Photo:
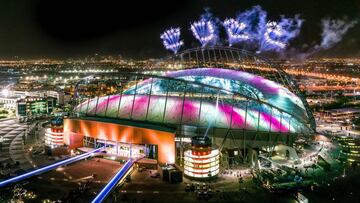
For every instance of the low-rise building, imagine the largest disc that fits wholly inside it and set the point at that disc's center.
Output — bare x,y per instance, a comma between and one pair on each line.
32,107
350,148
342,114
8,102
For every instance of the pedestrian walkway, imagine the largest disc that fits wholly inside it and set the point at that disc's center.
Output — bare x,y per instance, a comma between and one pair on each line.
12,146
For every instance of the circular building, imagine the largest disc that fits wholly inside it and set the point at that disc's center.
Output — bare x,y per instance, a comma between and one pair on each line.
202,160
240,101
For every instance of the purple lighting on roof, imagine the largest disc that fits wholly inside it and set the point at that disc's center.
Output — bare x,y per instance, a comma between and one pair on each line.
256,81
187,111
268,91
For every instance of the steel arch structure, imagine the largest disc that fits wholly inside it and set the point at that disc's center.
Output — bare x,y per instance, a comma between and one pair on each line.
194,104
239,59
244,114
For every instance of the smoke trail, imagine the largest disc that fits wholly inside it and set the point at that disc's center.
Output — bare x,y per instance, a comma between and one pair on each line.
333,31
255,21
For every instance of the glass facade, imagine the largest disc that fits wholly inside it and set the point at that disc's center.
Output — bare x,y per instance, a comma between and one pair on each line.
122,149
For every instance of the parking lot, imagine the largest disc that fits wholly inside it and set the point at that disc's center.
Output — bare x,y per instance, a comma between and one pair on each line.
143,187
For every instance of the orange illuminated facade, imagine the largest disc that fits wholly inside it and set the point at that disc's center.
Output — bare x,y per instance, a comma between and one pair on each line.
54,134
202,160
76,129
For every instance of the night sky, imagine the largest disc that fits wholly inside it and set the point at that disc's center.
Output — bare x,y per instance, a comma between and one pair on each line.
78,28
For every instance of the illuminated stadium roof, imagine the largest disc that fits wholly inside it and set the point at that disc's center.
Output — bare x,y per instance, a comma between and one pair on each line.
255,98
240,82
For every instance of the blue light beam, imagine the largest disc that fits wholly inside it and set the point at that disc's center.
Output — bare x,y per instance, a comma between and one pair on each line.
48,168
113,182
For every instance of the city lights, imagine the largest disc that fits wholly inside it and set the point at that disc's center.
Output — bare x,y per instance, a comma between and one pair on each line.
5,92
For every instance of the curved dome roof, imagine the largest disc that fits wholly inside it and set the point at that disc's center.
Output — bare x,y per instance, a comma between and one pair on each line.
203,97
215,87
241,60
244,83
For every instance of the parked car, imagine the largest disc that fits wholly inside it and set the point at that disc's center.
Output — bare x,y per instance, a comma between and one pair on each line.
155,175
187,188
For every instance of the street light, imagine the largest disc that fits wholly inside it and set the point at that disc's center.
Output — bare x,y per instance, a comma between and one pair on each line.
5,92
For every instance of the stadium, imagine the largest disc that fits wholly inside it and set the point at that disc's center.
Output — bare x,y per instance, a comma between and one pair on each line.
239,100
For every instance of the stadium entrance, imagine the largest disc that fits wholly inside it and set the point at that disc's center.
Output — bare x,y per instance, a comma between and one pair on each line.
125,150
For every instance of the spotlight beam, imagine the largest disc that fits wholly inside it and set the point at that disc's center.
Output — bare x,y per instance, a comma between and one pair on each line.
113,182
49,167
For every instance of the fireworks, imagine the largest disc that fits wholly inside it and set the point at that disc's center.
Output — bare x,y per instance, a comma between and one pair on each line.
171,39
278,34
272,37
255,21
235,31
252,27
204,31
